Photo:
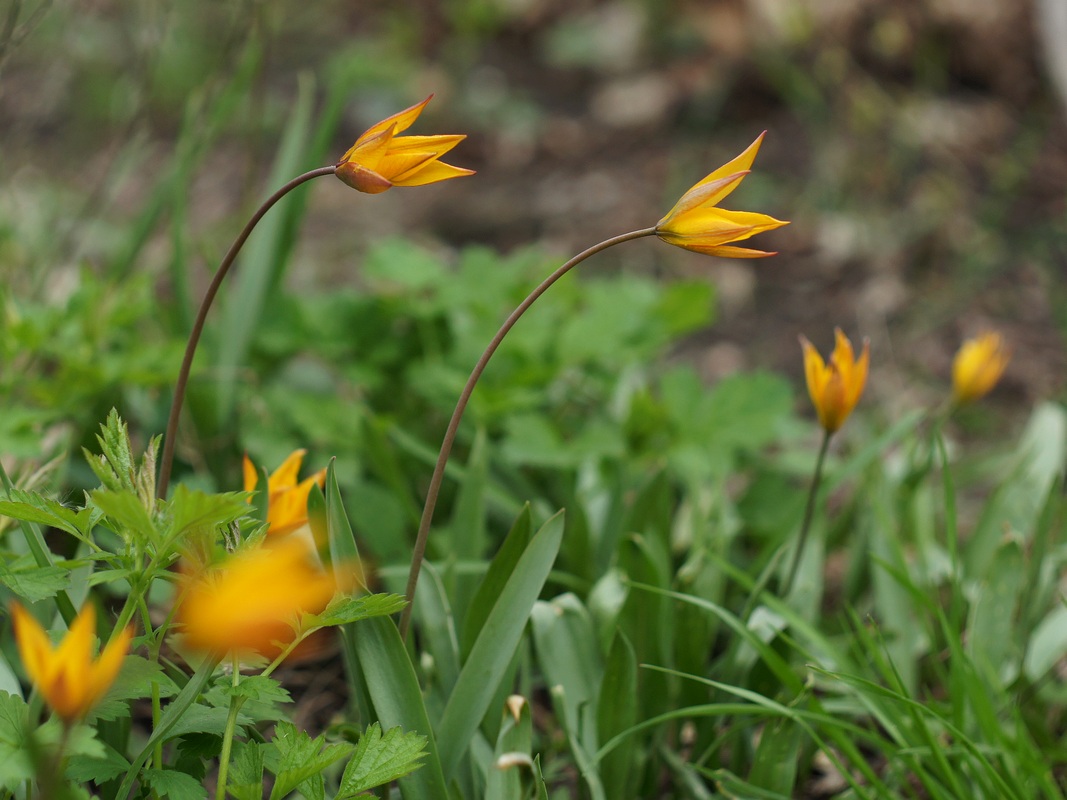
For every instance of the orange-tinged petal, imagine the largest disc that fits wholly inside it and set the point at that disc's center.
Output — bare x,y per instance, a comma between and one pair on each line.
703,194
433,172
725,251
438,144
400,121
368,151
712,226
362,179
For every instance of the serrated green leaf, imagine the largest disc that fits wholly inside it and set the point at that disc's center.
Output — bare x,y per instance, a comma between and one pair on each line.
346,608
82,768
34,507
134,681
173,784
124,511
15,765
245,781
381,759
36,583
301,757
258,687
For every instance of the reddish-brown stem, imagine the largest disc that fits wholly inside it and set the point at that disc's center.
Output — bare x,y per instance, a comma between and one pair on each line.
167,459
419,553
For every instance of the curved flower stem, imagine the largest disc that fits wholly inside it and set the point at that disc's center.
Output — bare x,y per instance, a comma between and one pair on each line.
809,512
167,459
432,493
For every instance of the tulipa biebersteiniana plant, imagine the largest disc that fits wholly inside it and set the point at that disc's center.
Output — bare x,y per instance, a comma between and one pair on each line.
635,648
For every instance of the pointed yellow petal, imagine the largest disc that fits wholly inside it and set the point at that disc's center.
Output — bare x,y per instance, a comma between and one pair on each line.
107,666
402,120
397,166
432,173
438,144
35,649
715,226
251,475
285,476
703,194
725,251
369,150
741,163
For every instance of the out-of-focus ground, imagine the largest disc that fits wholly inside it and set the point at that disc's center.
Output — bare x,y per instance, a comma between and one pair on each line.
919,148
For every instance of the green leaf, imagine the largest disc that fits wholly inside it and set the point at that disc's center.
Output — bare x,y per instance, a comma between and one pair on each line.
82,769
616,711
35,583
173,784
42,510
15,765
125,513
775,765
245,780
496,577
397,697
346,609
258,687
300,757
135,680
495,646
381,759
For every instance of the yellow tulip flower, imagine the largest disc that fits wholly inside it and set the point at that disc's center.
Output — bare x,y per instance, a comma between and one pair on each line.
251,602
835,388
68,677
978,366
380,159
696,223
287,500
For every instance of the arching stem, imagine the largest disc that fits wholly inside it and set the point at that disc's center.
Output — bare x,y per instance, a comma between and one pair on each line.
167,459
809,513
419,553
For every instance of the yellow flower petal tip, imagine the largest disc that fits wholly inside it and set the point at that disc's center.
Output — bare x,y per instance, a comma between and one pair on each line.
252,601
287,498
696,223
835,387
978,366
380,159
68,677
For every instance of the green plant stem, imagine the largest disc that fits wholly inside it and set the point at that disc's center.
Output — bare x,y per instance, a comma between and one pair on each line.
236,702
419,552
809,512
167,459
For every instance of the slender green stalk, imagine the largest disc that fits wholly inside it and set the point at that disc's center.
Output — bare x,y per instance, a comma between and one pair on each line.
419,553
167,459
809,512
236,701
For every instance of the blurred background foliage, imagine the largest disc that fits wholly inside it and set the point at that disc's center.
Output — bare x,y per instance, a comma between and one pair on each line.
918,148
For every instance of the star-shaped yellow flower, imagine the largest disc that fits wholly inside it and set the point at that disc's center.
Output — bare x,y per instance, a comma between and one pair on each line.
251,602
696,223
68,677
835,388
978,366
380,159
287,500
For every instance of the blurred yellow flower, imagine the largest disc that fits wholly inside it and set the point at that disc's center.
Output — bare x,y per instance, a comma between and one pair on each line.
252,602
978,366
68,677
380,159
835,388
287,500
695,222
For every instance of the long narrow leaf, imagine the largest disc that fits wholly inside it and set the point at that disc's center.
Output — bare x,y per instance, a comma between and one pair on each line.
493,651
